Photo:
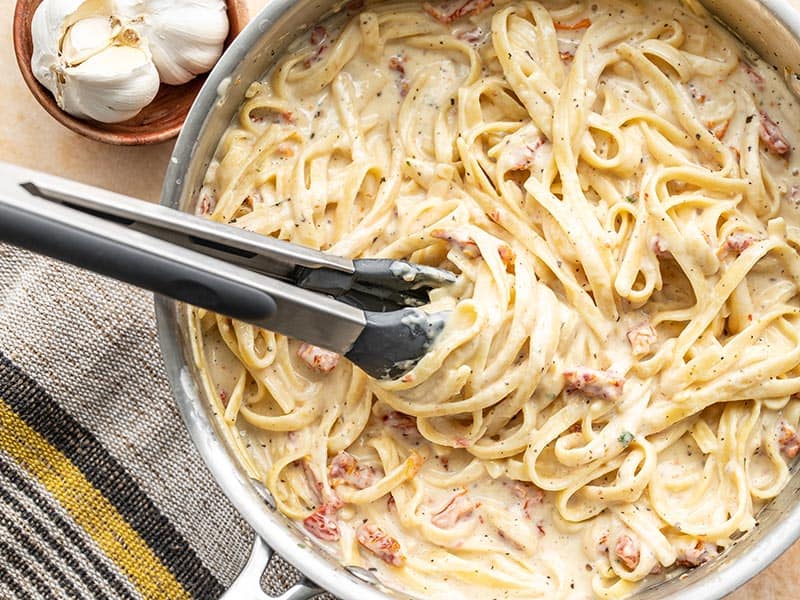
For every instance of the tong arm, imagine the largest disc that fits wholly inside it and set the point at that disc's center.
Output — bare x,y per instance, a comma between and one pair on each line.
256,252
373,284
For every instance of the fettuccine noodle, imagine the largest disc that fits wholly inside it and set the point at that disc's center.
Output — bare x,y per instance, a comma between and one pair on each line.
613,397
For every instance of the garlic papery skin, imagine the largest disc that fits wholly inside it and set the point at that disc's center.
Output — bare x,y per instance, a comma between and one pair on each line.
186,37
95,67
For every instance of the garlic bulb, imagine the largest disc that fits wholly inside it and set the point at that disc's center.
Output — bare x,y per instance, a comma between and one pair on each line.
95,66
186,37
104,59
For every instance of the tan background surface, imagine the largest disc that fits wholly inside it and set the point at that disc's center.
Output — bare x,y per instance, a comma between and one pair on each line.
29,137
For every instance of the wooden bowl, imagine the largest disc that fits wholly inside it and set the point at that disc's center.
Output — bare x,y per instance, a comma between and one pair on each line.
159,121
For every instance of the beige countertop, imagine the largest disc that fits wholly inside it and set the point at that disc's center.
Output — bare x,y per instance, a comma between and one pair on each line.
29,137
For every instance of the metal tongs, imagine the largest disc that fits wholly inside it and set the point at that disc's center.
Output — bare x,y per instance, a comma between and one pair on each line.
363,309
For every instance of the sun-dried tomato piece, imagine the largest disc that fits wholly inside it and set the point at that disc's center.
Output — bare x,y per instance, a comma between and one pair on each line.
693,556
345,469
322,524
659,246
788,440
459,507
460,239
753,74
529,496
739,241
471,36
628,551
318,358
381,544
318,35
594,382
772,136
523,156
582,24
642,337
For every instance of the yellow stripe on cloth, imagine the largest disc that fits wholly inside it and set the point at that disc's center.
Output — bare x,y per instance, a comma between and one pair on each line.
88,507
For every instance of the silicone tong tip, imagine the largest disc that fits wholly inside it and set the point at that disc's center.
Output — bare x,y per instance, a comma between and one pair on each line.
392,343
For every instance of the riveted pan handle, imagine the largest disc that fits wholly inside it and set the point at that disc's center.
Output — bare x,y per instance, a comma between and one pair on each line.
247,585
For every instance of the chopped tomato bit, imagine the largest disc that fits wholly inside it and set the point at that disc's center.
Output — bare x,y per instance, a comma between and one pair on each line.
529,496
753,74
284,149
405,424
345,469
698,96
788,440
317,358
459,507
693,556
507,255
207,202
627,551
510,539
659,246
540,528
471,36
460,239
642,338
594,382
582,24
522,157
322,524
398,64
318,35
718,129
382,545
739,241
772,136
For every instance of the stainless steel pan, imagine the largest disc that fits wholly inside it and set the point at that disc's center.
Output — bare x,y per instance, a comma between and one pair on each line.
771,27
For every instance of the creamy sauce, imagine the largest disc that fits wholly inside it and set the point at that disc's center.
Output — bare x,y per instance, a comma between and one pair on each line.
613,398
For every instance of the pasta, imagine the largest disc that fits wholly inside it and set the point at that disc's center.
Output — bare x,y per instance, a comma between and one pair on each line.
614,395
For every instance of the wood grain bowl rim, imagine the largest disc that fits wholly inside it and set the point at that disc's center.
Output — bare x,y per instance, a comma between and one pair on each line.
127,133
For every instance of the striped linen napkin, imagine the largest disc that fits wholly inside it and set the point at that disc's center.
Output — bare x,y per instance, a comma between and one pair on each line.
102,494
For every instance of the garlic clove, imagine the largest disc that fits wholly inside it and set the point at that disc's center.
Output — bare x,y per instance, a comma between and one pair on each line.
112,62
200,49
110,86
87,37
186,37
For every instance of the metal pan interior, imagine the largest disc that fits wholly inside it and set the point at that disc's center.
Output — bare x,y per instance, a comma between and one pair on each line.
771,27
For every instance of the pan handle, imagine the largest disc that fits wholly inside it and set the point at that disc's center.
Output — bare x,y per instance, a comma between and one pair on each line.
247,585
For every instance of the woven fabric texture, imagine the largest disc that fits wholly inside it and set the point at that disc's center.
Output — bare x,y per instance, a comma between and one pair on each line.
102,494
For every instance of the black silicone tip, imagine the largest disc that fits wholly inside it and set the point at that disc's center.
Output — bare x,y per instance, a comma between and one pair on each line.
393,343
